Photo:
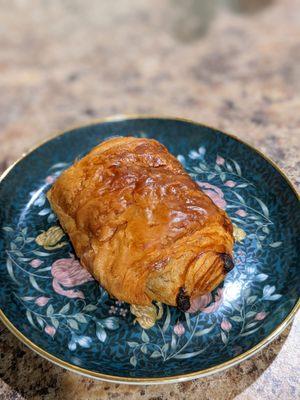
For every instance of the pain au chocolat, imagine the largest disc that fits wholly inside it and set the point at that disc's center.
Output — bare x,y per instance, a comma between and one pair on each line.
141,226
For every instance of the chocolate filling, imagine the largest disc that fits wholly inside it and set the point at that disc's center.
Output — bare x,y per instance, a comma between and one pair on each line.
228,262
183,300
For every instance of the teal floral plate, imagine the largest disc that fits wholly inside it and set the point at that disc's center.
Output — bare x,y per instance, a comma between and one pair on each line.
55,307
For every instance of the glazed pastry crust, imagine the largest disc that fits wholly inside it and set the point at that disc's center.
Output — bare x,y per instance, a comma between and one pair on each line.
140,225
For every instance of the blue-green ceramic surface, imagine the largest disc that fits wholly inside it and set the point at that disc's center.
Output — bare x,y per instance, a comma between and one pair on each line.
57,306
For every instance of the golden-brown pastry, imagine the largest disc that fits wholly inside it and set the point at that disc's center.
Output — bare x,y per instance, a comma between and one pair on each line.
141,226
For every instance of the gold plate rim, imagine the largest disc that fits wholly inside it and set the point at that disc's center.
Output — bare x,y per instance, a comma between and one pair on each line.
174,378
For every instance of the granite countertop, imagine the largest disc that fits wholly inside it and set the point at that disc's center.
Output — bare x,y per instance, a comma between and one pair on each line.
232,64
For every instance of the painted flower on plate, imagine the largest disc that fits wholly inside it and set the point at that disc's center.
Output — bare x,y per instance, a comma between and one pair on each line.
42,301
214,193
226,325
67,272
238,233
220,160
230,184
260,316
50,330
179,329
203,303
50,239
35,263
241,213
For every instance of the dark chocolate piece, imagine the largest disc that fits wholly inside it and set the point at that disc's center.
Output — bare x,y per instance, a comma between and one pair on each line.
183,300
228,262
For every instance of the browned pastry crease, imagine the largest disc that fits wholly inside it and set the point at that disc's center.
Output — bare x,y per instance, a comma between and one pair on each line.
141,226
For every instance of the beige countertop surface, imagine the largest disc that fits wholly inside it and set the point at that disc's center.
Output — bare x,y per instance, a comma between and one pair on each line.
230,64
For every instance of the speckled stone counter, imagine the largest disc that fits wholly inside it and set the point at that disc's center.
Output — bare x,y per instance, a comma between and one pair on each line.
230,64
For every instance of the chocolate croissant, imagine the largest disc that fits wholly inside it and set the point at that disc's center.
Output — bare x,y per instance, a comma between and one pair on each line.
141,226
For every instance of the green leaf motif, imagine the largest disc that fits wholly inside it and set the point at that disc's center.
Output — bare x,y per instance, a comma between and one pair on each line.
251,324
101,334
189,355
167,320
144,349
145,337
223,176
132,344
229,167
55,322
45,269
40,322
40,253
236,318
173,342
50,310
90,307
275,244
224,337
155,354
64,309
73,324
80,318
10,270
239,197
30,319
188,320
237,167
111,323
250,314
263,207
249,332
251,299
34,284
205,331
133,361
165,347
8,229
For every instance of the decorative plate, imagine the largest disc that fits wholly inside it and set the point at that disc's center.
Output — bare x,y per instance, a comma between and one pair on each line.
51,304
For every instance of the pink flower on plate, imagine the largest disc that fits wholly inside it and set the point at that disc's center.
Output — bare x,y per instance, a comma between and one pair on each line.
230,184
260,316
42,301
200,303
241,213
36,263
214,193
216,304
226,325
179,329
50,330
220,160
50,179
68,272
